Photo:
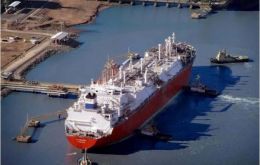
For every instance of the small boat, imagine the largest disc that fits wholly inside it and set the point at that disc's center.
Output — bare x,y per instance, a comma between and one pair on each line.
199,88
224,57
149,130
198,15
84,160
152,132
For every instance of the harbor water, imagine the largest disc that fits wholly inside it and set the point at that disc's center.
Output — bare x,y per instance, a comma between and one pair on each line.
210,131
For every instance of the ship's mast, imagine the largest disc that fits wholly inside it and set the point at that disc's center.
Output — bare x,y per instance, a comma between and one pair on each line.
109,72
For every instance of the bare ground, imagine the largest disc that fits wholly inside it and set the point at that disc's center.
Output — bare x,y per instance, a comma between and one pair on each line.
71,12
76,11
12,51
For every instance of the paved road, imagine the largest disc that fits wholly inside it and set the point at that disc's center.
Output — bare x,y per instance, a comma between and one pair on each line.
29,55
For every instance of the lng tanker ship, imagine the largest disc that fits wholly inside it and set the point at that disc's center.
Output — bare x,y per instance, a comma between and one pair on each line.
128,95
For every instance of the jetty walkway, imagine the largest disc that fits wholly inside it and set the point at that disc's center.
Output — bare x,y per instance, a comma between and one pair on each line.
38,121
51,89
179,3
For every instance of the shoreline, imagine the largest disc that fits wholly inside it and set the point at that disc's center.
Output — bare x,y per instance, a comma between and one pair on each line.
94,16
20,71
78,12
95,8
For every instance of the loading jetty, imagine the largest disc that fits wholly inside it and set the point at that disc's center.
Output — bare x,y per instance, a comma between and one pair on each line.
35,122
170,3
51,89
202,9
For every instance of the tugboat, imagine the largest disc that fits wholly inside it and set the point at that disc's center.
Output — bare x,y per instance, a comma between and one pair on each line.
224,57
151,131
84,160
199,88
198,15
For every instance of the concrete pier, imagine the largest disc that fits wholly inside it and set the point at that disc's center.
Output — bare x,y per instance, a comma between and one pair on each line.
168,3
156,2
51,89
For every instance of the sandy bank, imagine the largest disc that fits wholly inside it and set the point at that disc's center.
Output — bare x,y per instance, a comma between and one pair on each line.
76,11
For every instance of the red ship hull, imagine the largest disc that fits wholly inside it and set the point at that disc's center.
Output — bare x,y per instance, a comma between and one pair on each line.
137,119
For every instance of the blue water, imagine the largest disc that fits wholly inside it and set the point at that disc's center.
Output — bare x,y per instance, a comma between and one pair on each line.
222,130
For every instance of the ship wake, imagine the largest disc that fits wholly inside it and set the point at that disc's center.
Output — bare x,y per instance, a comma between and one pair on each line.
245,100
